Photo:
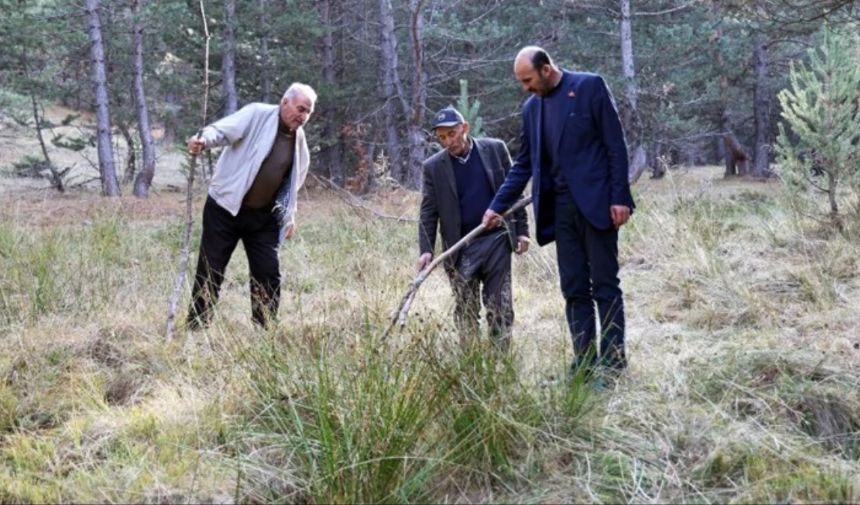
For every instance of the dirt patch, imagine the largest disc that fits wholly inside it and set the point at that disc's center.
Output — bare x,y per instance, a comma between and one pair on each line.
832,420
111,346
126,388
29,206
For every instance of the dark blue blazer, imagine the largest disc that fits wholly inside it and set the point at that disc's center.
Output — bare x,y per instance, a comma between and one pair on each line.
591,154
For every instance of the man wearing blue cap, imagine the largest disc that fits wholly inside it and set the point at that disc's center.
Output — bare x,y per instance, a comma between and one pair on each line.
459,184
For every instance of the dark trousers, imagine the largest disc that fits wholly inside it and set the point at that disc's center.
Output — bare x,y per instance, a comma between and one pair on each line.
588,270
486,262
259,232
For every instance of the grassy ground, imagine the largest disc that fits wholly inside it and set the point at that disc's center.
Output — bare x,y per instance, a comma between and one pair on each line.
743,340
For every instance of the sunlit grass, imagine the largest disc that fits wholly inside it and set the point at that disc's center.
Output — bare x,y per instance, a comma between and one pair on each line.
742,338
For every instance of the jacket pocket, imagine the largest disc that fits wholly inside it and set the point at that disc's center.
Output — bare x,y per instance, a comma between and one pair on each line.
579,120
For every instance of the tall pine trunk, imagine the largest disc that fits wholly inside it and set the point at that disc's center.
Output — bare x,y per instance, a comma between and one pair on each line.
390,88
630,113
331,155
265,74
228,61
419,97
761,110
144,178
736,157
107,171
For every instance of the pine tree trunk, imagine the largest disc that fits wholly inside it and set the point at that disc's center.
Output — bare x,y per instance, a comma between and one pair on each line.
131,156
736,157
265,75
419,97
390,85
761,108
56,177
107,171
228,62
627,65
144,178
331,155
630,113
857,14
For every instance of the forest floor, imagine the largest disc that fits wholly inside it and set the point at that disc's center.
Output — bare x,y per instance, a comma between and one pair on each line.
743,337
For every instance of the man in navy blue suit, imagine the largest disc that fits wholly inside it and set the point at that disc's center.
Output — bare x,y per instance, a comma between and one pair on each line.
573,150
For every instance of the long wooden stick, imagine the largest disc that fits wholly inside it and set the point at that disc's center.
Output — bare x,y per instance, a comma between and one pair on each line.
402,312
185,252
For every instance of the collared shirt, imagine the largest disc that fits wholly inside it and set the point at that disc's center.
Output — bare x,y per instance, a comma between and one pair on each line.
464,159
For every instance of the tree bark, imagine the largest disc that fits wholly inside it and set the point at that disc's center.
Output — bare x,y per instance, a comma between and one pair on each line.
736,157
131,156
419,97
228,61
638,163
332,153
761,110
56,177
107,171
147,145
390,88
630,113
627,64
857,14
265,75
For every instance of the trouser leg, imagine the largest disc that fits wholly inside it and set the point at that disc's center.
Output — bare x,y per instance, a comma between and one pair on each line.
260,238
574,275
497,293
602,251
218,240
467,305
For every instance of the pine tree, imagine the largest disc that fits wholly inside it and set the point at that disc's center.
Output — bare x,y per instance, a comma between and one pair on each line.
821,156
470,110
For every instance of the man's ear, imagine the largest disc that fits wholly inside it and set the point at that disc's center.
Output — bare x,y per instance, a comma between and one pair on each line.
466,127
545,71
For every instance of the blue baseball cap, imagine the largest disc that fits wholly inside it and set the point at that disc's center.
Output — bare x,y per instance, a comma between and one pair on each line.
449,116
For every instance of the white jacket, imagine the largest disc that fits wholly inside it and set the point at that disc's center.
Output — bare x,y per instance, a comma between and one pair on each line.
249,134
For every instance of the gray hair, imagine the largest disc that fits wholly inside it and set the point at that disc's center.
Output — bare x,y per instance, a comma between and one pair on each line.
297,89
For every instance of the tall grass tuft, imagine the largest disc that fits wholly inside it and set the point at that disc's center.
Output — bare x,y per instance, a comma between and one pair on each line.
349,423
353,427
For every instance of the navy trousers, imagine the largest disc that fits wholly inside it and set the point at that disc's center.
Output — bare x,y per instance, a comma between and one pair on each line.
259,232
588,270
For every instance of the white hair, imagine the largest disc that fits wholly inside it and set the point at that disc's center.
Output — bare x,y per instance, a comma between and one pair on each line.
297,89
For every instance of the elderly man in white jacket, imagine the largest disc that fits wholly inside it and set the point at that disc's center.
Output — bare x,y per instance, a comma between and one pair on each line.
252,197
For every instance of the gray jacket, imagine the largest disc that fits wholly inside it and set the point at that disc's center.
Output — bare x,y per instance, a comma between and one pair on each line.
440,205
249,134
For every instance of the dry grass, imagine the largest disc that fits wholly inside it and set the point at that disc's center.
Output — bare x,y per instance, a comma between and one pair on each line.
743,338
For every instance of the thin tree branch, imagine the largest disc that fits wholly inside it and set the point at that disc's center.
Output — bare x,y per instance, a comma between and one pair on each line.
189,219
402,313
668,11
